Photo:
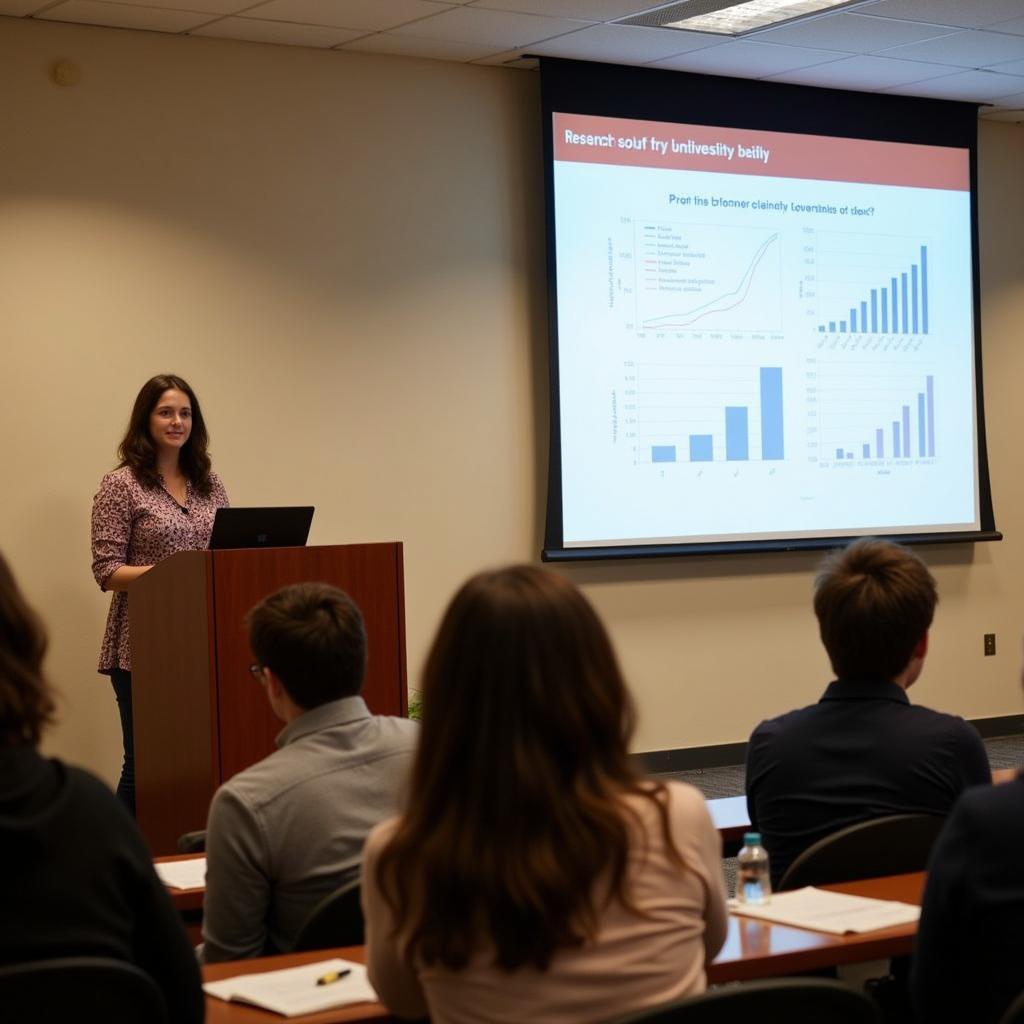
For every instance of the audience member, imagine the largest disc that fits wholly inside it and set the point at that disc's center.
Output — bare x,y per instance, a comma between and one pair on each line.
534,876
290,830
863,751
967,964
76,878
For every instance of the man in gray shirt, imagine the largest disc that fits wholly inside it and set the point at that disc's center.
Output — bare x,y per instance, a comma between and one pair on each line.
284,833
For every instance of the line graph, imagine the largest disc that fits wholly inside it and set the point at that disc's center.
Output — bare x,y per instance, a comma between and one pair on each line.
707,276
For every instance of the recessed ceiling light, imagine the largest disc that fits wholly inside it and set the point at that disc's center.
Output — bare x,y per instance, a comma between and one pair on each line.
732,17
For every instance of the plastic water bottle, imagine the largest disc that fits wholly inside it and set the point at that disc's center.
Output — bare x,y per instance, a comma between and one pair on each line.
753,881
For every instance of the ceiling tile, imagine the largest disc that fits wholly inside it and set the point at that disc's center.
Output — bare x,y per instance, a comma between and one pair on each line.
970,49
625,44
511,59
1014,27
746,59
867,73
1013,67
583,10
368,15
206,6
851,32
411,46
960,13
1015,114
1014,102
93,12
503,30
976,86
255,30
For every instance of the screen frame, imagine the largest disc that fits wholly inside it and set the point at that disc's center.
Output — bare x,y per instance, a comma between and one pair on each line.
580,87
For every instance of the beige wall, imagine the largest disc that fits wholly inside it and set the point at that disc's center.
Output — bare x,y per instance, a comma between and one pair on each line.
344,254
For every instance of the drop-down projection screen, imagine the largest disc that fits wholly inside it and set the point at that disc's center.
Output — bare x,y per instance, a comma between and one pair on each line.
763,315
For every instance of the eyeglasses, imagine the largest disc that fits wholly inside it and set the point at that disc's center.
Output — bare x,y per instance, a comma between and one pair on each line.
257,671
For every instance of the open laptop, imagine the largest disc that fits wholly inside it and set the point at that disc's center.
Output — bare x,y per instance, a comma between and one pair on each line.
261,527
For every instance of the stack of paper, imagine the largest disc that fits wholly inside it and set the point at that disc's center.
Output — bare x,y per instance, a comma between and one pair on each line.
835,912
183,874
295,991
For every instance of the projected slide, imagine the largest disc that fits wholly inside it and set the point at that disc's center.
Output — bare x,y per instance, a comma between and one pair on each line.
760,334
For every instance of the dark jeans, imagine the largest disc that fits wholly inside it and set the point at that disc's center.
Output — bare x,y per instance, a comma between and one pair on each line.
122,683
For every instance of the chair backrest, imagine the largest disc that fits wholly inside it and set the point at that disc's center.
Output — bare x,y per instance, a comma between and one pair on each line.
892,845
76,988
779,1001
192,842
1014,1012
337,920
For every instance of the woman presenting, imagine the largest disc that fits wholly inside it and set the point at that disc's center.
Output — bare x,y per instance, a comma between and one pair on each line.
161,499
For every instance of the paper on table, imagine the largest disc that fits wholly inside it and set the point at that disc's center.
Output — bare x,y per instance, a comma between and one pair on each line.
294,991
183,874
836,912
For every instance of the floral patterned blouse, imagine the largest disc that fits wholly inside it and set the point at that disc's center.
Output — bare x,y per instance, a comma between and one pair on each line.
137,525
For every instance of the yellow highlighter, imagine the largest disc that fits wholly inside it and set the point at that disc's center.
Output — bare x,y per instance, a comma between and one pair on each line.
332,976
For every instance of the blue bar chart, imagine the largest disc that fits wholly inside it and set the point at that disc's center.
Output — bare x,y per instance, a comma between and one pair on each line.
911,433
685,423
897,305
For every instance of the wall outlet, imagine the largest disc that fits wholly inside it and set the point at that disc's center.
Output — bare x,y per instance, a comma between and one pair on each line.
990,644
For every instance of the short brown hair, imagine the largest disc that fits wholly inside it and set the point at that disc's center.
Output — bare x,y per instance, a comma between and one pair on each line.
875,601
312,637
26,701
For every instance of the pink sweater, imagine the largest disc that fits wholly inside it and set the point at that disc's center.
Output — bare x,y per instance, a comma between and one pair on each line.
136,525
634,963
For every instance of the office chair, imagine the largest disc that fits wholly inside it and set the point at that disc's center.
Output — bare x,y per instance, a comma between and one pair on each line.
71,988
337,920
192,842
893,845
778,1001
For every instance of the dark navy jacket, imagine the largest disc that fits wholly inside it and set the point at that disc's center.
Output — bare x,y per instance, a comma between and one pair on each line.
969,957
863,751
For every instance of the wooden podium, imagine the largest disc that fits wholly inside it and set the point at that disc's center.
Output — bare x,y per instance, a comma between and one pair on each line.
199,715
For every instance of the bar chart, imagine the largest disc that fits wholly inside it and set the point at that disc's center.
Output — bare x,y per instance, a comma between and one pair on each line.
882,414
702,414
890,304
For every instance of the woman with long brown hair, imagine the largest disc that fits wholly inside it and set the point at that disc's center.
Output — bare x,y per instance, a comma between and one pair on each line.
76,878
534,876
160,500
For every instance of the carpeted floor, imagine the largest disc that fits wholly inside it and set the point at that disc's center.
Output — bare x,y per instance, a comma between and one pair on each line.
1003,752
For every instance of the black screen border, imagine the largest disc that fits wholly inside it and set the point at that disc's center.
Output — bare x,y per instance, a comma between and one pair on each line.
650,94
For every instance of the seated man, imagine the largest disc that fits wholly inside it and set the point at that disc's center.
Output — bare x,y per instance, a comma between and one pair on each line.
290,830
967,962
863,751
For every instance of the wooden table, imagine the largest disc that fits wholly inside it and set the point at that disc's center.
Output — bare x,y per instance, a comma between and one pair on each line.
184,899
757,949
220,1012
753,949
188,902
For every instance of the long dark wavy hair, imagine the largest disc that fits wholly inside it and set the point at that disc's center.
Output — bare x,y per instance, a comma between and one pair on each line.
26,701
517,834
137,450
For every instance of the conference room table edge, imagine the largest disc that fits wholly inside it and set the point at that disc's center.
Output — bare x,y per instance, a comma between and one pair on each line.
753,949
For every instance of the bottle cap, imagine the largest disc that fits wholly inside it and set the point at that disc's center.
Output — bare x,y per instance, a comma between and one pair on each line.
751,838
